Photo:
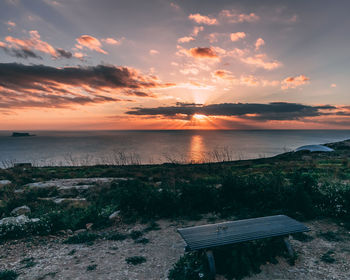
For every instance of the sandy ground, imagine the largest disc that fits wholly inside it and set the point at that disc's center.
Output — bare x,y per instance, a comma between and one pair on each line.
54,260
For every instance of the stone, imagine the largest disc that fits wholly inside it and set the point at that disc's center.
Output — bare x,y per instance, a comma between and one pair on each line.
4,183
115,216
89,226
80,231
20,210
71,201
17,221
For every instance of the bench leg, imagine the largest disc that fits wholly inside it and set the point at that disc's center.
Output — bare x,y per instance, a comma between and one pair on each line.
211,261
289,247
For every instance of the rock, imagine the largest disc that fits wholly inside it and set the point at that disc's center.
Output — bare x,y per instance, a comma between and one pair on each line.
69,231
4,183
17,221
115,216
89,226
71,201
20,210
80,231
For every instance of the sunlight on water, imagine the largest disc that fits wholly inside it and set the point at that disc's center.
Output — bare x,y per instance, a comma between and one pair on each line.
197,148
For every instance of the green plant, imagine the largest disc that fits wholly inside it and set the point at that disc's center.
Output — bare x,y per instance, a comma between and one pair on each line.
84,237
91,267
135,234
328,257
116,236
8,275
135,260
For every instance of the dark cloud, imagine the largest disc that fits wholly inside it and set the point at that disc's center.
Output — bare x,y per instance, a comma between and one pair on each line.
254,111
20,53
203,52
16,76
25,86
64,53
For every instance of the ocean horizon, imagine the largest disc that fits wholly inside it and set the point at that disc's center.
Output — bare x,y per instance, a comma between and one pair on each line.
122,147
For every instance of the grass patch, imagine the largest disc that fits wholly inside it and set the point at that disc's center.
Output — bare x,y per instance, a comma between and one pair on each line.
142,241
116,236
234,262
330,236
328,257
91,267
84,237
135,234
302,237
135,260
28,262
8,275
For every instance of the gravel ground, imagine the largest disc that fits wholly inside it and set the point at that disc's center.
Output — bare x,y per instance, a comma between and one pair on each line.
48,258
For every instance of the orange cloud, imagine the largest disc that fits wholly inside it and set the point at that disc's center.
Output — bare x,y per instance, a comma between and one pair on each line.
198,18
260,42
111,41
11,23
259,60
185,39
153,52
196,30
294,82
34,42
91,43
237,36
202,52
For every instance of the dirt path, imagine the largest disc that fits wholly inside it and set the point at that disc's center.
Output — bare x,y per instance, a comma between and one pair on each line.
49,258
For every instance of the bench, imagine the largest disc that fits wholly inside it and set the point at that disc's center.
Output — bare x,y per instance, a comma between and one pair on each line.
214,235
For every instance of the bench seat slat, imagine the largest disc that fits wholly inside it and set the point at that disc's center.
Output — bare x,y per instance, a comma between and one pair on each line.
206,236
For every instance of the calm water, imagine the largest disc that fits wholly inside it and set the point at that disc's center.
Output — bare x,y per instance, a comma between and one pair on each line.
125,147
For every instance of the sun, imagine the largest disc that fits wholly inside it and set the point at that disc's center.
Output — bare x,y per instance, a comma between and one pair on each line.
199,117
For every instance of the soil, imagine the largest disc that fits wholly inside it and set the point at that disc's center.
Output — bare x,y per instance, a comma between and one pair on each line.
49,258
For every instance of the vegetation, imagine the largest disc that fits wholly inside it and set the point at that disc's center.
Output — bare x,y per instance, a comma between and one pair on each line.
8,275
234,262
302,185
135,260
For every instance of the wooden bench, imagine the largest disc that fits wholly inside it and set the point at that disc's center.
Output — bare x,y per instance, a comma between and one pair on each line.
214,235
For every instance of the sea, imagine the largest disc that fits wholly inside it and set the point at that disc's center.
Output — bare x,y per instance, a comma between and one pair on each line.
73,148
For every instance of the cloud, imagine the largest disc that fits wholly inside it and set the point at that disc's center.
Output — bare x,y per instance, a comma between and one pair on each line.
333,85
185,39
200,19
175,6
93,84
25,48
153,52
234,16
253,111
260,42
294,82
199,52
245,80
237,36
64,53
111,41
19,52
11,23
91,43
260,61
196,30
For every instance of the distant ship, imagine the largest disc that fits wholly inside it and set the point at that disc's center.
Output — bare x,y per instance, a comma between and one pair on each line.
21,134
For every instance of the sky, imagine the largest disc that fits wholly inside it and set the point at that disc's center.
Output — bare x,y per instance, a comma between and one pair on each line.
184,64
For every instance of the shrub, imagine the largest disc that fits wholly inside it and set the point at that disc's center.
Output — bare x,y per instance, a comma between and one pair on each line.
135,260
91,267
8,275
84,237
235,261
116,236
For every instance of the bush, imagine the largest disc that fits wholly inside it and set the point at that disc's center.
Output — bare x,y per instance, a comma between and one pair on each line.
135,260
84,237
234,262
8,275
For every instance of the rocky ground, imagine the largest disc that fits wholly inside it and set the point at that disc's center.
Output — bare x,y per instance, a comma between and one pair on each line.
324,255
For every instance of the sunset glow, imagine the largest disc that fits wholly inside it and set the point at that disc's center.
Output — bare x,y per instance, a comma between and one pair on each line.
173,65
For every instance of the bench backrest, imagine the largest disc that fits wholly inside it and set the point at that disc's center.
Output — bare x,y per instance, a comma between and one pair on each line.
213,235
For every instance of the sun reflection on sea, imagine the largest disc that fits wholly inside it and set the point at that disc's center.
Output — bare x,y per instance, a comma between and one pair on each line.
197,148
